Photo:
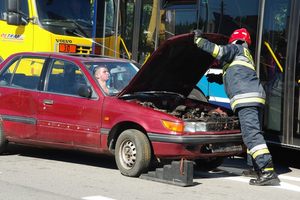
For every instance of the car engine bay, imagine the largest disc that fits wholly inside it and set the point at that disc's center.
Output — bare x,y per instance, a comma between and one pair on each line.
189,110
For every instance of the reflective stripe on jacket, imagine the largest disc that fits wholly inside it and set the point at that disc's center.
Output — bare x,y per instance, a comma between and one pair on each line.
241,83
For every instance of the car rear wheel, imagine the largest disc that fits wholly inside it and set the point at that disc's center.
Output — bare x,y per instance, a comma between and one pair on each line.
133,153
3,140
209,164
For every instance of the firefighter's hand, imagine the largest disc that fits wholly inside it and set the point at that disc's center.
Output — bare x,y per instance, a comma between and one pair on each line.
198,34
218,78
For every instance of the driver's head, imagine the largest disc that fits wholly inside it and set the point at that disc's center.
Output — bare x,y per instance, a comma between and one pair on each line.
101,73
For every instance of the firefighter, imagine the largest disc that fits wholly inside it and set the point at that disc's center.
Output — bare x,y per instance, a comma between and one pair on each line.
247,97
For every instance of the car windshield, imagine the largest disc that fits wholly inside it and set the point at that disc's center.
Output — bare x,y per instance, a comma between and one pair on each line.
120,74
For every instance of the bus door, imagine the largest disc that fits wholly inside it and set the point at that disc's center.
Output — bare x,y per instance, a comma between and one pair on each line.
272,63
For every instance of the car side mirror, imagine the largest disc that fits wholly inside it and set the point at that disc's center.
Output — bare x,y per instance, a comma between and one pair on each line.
85,91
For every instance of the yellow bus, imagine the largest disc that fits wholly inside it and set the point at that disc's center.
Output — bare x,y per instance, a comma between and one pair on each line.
74,26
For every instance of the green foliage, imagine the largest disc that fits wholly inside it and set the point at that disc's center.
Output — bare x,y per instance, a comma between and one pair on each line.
280,10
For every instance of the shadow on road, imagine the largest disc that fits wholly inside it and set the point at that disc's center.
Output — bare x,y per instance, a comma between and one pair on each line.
70,156
283,158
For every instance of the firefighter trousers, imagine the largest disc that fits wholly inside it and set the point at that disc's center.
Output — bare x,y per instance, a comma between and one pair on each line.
250,120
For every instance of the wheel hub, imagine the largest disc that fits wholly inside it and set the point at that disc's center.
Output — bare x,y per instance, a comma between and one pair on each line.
128,154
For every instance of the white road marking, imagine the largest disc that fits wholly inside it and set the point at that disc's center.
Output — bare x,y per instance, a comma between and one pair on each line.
281,185
288,186
97,198
291,178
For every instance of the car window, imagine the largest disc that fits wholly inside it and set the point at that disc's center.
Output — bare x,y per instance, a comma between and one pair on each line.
23,73
65,77
6,74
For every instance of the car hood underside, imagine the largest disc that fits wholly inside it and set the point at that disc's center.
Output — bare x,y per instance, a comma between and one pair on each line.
176,66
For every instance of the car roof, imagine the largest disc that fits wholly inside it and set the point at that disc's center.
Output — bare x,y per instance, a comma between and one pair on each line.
78,57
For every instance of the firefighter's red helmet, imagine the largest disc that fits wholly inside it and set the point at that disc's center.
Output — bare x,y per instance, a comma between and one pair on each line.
240,34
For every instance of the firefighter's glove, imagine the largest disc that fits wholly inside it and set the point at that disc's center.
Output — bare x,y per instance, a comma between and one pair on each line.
218,78
198,34
198,40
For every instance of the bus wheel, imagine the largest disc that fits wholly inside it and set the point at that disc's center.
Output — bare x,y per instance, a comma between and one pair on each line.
133,153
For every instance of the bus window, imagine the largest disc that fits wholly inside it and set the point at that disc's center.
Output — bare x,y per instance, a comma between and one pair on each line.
272,61
297,90
224,17
77,14
179,21
77,10
3,13
177,3
127,9
148,30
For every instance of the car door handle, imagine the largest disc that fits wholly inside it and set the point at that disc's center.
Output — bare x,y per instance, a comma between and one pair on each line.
48,102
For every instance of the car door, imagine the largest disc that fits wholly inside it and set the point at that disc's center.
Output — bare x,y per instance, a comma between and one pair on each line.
64,116
19,83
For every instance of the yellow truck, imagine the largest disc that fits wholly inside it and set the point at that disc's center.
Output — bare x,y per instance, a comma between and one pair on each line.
58,26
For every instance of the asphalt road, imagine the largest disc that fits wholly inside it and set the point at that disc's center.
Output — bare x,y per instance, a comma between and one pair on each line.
28,173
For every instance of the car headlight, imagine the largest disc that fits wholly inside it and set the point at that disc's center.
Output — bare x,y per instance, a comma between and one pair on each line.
195,126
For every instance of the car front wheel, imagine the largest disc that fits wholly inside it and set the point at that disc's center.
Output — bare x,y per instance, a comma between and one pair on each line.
133,153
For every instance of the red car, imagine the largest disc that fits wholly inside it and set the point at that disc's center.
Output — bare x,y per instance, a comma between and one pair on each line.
53,100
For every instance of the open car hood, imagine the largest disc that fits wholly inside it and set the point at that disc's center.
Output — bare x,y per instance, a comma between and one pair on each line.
176,66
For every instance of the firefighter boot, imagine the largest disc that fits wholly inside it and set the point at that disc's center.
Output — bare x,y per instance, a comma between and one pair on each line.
252,172
267,176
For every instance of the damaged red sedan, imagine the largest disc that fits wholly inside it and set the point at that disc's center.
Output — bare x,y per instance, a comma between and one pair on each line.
53,100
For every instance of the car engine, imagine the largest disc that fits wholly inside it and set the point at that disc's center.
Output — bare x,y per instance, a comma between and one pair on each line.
216,118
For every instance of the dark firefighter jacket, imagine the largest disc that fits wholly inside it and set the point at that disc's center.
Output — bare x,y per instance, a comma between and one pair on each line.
241,83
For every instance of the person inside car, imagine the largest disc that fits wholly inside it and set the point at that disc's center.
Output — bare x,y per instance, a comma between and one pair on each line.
101,74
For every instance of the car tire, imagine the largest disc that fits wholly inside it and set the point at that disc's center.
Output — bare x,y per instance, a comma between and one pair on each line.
133,153
3,140
198,95
209,164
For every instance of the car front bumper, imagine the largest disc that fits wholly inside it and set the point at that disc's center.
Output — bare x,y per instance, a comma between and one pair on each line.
194,139
196,146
